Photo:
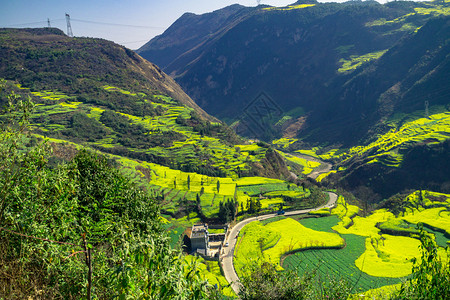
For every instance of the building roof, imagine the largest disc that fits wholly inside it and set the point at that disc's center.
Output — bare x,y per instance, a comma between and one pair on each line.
199,231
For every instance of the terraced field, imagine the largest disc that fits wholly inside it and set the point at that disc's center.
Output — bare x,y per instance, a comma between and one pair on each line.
386,149
55,112
434,129
307,165
356,61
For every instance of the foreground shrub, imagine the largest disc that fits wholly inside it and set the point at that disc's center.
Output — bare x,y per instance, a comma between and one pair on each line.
81,229
264,282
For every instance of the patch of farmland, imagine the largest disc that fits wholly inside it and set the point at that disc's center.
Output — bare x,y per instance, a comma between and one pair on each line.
402,227
365,226
438,217
293,194
256,181
320,224
441,238
345,212
253,238
295,236
254,190
51,95
389,256
340,262
271,202
307,165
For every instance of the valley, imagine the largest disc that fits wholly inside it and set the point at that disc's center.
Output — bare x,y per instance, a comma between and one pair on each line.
344,193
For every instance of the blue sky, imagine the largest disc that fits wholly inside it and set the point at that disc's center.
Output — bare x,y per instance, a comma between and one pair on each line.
148,17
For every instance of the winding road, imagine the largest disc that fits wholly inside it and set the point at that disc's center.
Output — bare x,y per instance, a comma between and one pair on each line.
227,256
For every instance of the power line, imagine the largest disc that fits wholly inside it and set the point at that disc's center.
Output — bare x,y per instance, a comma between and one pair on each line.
115,24
34,23
26,24
133,42
87,21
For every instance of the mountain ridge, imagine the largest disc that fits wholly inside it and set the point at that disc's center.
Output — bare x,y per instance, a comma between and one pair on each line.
104,96
140,68
211,24
302,56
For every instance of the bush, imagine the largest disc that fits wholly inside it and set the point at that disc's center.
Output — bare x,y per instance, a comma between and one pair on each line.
264,282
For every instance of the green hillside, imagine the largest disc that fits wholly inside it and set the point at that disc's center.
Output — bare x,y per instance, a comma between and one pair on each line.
90,94
80,229
173,150
95,93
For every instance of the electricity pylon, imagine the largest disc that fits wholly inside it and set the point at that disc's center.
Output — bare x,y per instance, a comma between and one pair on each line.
69,27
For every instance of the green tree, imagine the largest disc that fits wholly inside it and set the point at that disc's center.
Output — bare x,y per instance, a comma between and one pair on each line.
227,210
258,205
189,182
317,197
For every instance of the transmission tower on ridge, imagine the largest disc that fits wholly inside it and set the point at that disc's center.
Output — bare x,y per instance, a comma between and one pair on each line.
69,28
48,22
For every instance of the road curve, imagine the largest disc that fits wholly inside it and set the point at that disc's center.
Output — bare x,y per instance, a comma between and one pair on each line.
227,256
324,167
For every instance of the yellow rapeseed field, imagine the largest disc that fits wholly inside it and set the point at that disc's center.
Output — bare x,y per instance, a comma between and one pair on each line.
295,236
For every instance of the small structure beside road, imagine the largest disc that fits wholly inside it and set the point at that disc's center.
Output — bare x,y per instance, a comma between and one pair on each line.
207,241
